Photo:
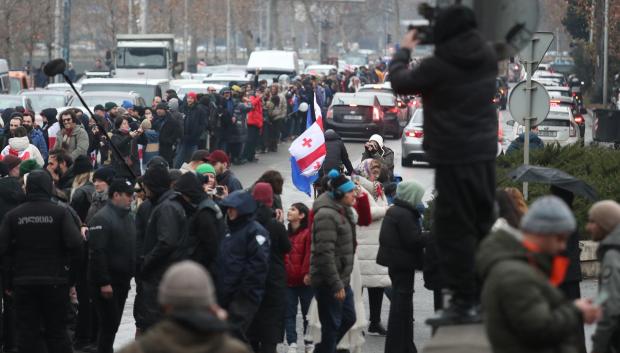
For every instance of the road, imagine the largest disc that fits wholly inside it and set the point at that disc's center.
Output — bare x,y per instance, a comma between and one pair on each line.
423,299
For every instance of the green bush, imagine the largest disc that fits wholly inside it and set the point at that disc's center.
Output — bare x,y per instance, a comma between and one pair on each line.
597,166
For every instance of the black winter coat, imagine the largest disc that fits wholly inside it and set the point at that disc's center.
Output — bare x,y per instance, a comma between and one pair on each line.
170,130
268,323
11,195
128,149
336,155
112,246
457,86
195,123
206,230
41,238
81,199
401,246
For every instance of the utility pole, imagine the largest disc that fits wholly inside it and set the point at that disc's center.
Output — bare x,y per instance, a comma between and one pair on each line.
67,31
130,19
605,51
144,5
268,25
228,31
185,33
320,36
57,29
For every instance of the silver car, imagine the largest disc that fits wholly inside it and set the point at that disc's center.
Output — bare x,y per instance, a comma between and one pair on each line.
412,139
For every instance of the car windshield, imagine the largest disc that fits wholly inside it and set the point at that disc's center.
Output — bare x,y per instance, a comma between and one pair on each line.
94,100
376,89
366,99
41,101
10,102
558,115
145,91
562,93
141,58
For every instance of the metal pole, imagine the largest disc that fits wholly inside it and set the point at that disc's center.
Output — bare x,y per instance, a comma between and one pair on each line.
605,51
228,30
528,118
57,29
268,25
320,36
67,31
185,33
144,5
130,19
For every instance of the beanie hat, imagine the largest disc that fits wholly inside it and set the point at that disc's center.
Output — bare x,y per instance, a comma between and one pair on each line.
378,139
99,107
173,104
218,156
11,161
263,193
120,185
187,285
157,160
81,165
105,174
50,114
162,105
205,168
606,214
109,106
410,192
452,21
200,155
192,95
127,104
549,215
188,185
28,166
157,179
339,181
175,174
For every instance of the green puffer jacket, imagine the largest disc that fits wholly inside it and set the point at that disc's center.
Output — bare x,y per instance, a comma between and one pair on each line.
333,244
523,312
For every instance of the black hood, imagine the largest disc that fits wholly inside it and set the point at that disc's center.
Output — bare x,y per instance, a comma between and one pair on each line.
39,184
199,321
331,135
6,115
467,50
452,21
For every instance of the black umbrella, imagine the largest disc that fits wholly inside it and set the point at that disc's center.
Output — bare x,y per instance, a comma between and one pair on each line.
536,174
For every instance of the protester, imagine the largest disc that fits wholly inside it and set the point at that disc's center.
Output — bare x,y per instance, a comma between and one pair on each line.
374,149
20,146
198,157
149,139
50,127
242,262
331,261
127,164
59,167
401,250
35,135
195,124
225,177
297,263
255,126
275,179
112,242
336,156
521,270
462,69
170,131
72,138
193,322
82,189
603,226
102,178
40,237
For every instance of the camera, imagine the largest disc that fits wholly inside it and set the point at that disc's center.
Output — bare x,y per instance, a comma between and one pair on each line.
219,190
424,29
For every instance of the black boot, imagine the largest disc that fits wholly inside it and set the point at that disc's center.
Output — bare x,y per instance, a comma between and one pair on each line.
459,312
376,329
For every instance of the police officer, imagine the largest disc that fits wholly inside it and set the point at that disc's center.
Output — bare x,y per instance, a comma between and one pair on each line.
41,238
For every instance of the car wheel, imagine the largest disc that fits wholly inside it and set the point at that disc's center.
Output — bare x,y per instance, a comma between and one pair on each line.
406,162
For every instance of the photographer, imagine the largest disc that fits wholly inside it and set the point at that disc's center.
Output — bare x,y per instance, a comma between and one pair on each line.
375,149
457,85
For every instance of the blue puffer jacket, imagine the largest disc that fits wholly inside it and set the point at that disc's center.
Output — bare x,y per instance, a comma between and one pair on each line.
243,258
38,140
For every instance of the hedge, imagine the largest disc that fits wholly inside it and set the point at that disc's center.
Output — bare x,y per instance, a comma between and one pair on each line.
597,166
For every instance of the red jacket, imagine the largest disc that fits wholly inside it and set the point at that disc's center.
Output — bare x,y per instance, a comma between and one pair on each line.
297,261
255,116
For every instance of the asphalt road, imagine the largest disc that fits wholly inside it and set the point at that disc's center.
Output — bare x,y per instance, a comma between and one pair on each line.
423,299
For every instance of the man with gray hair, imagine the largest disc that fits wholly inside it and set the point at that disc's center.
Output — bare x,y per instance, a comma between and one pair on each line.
524,311
193,322
604,227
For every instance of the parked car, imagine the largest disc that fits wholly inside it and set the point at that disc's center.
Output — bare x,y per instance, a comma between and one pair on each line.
227,80
561,90
102,97
559,127
42,99
412,139
319,69
62,87
547,75
356,115
196,87
13,100
147,89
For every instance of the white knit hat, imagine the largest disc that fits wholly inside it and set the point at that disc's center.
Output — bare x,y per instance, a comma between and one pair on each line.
378,139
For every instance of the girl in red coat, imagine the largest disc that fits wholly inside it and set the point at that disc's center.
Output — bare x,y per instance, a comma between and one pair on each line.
297,263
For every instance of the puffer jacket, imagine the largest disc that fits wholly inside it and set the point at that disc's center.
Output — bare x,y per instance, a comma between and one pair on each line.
373,274
333,244
297,261
75,144
38,140
22,148
255,117
523,312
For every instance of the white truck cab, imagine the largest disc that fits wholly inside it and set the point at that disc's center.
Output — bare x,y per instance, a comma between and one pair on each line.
144,56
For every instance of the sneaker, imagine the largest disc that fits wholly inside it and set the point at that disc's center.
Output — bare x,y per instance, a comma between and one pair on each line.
292,348
376,329
458,313
309,348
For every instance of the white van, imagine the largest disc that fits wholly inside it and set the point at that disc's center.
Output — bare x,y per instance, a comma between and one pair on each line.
273,63
147,89
5,81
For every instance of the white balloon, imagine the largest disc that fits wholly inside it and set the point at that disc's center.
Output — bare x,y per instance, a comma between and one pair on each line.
303,107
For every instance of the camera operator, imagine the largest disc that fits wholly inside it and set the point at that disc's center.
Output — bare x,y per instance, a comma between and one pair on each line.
457,85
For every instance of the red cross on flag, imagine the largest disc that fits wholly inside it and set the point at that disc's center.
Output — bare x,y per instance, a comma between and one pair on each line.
308,150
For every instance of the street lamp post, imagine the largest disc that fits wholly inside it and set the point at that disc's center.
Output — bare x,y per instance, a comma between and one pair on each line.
605,51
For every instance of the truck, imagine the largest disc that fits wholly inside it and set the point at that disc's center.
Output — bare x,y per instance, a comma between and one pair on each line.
145,56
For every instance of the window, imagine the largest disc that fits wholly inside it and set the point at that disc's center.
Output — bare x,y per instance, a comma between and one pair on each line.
141,58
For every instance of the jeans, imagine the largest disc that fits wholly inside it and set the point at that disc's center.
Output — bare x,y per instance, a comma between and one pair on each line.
399,338
109,312
184,153
294,295
42,306
336,317
250,146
